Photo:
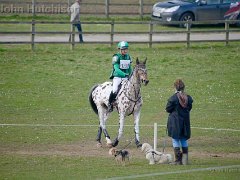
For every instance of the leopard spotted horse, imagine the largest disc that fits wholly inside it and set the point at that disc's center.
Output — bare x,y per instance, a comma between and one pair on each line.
128,102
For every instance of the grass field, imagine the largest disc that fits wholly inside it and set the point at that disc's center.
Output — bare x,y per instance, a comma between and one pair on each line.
43,91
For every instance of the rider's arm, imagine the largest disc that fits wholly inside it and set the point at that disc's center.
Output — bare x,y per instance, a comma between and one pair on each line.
116,66
119,72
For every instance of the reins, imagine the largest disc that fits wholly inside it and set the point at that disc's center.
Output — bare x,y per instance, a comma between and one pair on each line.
136,95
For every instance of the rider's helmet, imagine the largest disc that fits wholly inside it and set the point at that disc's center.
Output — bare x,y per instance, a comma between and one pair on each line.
123,45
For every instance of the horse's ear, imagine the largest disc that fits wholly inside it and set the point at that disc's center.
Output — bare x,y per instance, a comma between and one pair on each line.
137,61
145,61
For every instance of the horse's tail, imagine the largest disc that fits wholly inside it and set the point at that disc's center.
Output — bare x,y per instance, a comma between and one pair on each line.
92,103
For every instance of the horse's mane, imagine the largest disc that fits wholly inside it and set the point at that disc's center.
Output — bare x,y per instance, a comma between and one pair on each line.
132,73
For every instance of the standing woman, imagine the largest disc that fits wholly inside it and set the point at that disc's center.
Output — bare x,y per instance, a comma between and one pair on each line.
179,106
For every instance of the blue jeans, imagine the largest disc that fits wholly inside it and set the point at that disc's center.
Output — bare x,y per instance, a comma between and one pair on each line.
79,27
179,143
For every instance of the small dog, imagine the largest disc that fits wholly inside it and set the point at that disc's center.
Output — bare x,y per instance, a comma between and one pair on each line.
156,157
120,155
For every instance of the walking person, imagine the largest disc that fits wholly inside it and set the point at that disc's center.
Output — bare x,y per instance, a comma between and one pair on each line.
179,106
75,19
122,68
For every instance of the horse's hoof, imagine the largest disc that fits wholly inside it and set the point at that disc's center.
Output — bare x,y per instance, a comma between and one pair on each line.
115,143
139,145
99,145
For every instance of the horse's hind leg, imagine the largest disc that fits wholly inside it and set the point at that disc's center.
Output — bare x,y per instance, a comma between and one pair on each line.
98,139
103,115
109,142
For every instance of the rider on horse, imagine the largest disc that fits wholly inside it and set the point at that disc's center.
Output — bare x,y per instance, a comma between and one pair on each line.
121,70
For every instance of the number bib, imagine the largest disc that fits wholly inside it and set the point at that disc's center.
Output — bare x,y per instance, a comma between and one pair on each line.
124,64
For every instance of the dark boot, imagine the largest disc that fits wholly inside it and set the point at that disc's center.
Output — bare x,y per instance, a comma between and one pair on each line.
178,156
110,101
185,155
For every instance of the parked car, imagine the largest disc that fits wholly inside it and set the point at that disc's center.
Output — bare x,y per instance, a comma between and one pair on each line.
191,10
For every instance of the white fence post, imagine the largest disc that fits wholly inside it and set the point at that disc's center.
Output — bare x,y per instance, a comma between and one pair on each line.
155,137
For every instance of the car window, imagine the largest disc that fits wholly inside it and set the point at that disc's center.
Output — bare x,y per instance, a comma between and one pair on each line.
230,1
192,1
226,1
213,1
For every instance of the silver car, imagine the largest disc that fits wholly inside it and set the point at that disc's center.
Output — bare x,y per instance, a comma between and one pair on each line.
191,10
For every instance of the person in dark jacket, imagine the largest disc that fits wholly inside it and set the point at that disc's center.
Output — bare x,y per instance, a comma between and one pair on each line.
179,106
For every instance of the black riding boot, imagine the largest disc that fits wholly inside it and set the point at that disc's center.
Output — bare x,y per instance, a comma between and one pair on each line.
178,156
112,98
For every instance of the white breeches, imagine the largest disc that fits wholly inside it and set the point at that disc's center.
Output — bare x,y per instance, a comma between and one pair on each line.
116,82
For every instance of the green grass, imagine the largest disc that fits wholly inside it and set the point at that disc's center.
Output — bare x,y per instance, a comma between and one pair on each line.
58,167
51,86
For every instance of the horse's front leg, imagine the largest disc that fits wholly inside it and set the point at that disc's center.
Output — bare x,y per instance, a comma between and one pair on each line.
136,116
120,130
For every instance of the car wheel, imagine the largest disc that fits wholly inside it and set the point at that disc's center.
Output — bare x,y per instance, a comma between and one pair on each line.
186,17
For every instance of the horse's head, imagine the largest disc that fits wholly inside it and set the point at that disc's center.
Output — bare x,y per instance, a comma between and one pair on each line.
142,71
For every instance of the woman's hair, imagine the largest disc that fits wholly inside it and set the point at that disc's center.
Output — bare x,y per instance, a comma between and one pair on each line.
179,85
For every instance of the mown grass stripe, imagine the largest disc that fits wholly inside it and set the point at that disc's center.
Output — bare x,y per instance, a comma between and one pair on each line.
174,172
89,125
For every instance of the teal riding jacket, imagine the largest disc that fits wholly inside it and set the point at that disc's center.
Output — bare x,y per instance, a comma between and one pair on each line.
121,66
